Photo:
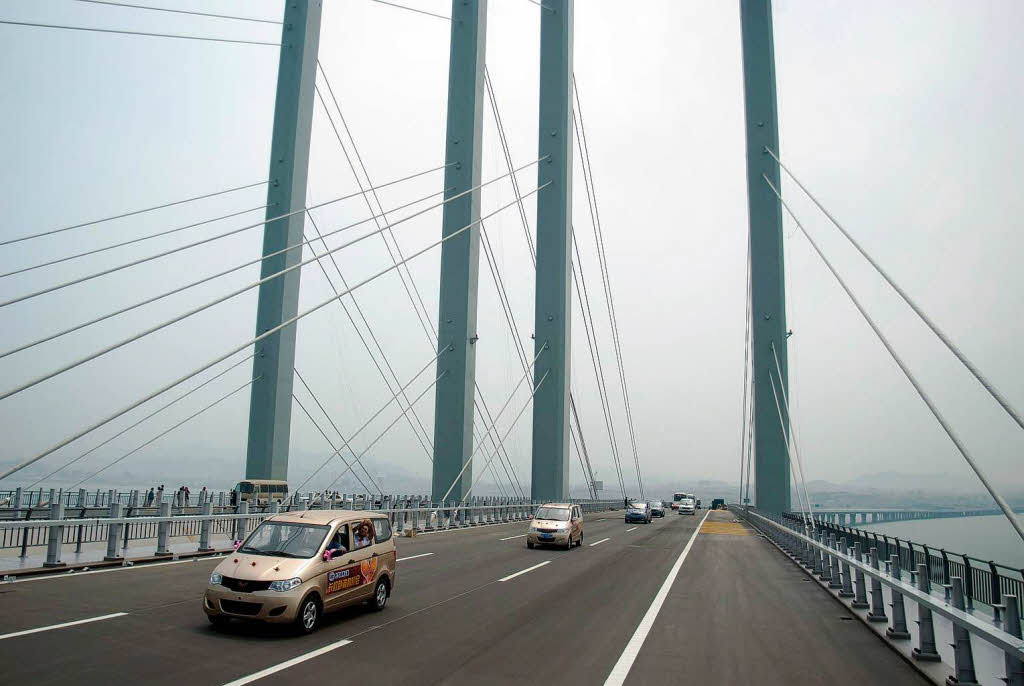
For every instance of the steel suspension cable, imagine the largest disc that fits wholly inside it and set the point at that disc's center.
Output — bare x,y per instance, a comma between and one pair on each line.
132,241
165,9
129,214
207,305
792,431
1000,501
502,442
165,432
394,396
136,33
746,368
496,273
337,451
132,426
595,359
605,275
494,425
194,244
750,443
489,84
411,9
174,291
786,438
257,339
426,323
326,414
373,336
387,428
939,333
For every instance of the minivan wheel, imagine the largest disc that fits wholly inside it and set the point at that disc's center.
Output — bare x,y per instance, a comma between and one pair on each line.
568,541
308,618
380,596
529,544
579,543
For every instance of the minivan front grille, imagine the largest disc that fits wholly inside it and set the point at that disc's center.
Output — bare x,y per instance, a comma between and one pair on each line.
244,585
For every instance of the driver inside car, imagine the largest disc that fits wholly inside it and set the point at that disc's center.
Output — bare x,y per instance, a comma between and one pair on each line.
338,544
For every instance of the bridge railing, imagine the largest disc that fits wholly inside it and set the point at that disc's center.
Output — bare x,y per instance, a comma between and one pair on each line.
985,582
117,531
849,570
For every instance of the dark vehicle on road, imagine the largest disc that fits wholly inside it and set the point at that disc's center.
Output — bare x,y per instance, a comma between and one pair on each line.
638,512
718,502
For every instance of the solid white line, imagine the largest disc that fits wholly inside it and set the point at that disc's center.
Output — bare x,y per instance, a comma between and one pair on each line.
633,529
66,575
509,538
617,677
412,557
288,663
528,569
599,542
61,626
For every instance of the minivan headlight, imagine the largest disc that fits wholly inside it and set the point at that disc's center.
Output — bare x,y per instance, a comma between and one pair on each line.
285,585
216,578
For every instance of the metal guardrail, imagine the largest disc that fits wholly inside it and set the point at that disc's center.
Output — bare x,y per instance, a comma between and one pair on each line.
830,558
118,530
985,581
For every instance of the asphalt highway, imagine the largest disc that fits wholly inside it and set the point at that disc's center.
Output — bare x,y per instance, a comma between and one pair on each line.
471,606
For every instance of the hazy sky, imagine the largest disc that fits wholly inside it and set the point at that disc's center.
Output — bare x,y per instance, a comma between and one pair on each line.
902,117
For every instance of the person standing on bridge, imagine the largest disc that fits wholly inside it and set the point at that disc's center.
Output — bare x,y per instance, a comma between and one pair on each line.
186,495
150,496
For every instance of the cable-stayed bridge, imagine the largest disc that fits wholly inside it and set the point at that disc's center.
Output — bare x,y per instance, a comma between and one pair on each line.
159,354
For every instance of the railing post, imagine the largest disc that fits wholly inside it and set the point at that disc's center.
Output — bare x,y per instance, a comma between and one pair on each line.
877,613
204,528
996,593
816,557
847,585
55,535
113,534
860,600
925,649
833,563
162,530
18,493
898,630
963,656
416,503
1014,666
968,584
78,538
242,523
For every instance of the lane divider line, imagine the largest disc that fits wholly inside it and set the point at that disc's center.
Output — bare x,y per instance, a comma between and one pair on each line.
620,671
288,663
633,529
66,575
412,557
61,626
524,571
509,538
599,542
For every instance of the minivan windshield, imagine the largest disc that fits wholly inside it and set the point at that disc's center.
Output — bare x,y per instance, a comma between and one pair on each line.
559,514
286,539
638,506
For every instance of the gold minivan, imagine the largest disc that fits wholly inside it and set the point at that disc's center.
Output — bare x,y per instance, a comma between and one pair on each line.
558,524
298,565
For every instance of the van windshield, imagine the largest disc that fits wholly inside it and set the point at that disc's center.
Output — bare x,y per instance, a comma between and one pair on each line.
559,514
285,539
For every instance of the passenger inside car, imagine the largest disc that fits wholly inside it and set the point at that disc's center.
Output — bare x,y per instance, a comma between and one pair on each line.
364,535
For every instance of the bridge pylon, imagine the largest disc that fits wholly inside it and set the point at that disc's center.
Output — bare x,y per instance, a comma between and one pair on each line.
767,269
270,407
553,314
460,256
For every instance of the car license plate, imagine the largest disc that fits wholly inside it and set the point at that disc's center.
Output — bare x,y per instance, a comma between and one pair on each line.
547,537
